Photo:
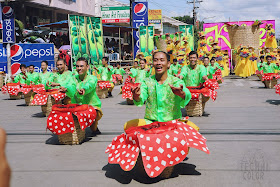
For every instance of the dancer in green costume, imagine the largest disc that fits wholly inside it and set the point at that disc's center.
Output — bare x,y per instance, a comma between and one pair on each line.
261,63
106,71
32,77
63,79
174,68
21,77
269,67
193,74
119,71
45,76
164,94
85,92
141,73
209,69
215,64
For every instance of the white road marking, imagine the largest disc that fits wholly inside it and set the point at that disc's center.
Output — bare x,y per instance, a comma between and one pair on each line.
255,83
238,83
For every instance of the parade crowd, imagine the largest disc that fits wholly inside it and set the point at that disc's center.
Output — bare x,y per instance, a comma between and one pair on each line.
164,83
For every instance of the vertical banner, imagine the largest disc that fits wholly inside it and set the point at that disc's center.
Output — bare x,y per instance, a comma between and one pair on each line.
9,35
155,18
86,37
187,30
140,18
146,40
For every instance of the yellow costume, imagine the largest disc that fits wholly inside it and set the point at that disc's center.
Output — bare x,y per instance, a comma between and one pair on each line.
252,60
202,45
201,55
219,57
169,49
270,39
142,122
224,62
242,68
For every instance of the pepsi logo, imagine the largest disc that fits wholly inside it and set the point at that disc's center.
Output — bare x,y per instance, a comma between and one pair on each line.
140,9
15,68
16,52
7,11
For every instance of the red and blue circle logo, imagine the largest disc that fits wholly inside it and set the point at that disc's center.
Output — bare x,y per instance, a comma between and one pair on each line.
140,9
15,68
7,11
16,52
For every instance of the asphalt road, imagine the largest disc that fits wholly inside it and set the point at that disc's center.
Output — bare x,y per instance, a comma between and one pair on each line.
242,128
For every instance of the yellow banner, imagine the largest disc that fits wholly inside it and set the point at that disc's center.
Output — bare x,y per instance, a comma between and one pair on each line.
155,18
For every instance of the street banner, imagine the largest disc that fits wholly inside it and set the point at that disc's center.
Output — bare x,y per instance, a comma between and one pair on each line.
155,18
86,39
218,32
140,18
187,30
146,40
28,54
9,35
115,14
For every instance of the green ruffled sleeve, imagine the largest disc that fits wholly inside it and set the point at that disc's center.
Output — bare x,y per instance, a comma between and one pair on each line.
90,85
202,73
143,95
148,74
184,71
122,71
276,67
211,71
17,78
134,72
188,96
70,85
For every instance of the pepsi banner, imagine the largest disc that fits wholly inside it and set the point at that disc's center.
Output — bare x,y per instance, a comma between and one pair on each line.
139,18
28,54
9,35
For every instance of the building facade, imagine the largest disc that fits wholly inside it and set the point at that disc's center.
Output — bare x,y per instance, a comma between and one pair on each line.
39,12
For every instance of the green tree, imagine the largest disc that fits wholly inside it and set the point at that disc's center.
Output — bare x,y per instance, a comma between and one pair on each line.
189,20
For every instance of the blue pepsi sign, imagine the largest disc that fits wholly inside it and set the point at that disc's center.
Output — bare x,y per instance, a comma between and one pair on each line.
28,54
139,18
9,35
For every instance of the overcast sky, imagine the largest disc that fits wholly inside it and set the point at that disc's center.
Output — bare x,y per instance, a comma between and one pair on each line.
222,10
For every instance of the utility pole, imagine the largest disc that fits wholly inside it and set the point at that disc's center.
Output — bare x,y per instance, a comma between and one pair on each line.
194,9
131,1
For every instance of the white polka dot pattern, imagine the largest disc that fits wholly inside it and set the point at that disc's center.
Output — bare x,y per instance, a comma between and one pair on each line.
104,84
63,122
126,90
158,150
41,98
116,77
123,151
